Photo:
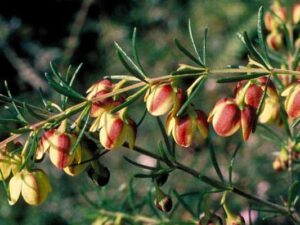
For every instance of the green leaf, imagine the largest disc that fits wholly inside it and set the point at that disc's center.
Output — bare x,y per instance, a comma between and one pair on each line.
261,103
86,117
145,113
190,98
165,136
293,193
134,51
187,53
63,90
230,169
205,46
33,144
193,43
138,164
214,161
130,65
252,50
154,174
131,99
239,78
213,183
260,32
19,114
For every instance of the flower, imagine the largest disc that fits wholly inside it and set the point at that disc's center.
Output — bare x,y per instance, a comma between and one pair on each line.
160,99
115,131
59,143
162,201
273,21
102,85
227,118
33,185
184,128
292,101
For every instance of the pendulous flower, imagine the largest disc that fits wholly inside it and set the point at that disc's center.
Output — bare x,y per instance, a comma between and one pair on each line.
292,101
160,99
34,186
184,129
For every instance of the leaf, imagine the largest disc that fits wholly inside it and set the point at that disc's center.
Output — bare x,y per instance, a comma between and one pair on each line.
214,161
131,99
134,50
239,78
261,103
165,136
293,193
213,183
19,114
33,144
268,133
130,65
86,116
154,174
191,96
187,53
138,164
62,89
252,50
193,42
232,162
205,45
260,32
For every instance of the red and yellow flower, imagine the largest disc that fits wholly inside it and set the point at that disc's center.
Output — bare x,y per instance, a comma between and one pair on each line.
34,186
184,129
292,101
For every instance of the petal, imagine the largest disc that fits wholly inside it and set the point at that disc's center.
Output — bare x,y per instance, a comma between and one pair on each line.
111,134
270,111
5,165
247,121
131,133
292,103
226,120
99,86
253,95
201,122
218,106
15,186
170,123
44,144
160,100
60,150
183,131
80,156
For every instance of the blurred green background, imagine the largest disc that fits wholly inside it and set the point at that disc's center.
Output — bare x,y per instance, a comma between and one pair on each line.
33,33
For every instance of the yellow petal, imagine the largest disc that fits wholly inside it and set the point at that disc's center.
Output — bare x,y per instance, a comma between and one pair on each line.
15,186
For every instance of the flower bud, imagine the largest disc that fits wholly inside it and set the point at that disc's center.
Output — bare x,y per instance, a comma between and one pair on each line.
225,117
274,40
296,13
116,131
161,179
102,85
99,174
292,101
185,128
160,99
162,201
34,187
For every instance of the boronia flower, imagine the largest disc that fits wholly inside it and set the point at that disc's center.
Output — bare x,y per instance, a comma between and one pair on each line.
184,129
34,187
251,95
59,144
160,99
116,130
227,118
292,101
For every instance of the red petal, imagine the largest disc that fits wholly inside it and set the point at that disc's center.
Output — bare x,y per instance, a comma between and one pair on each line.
247,121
